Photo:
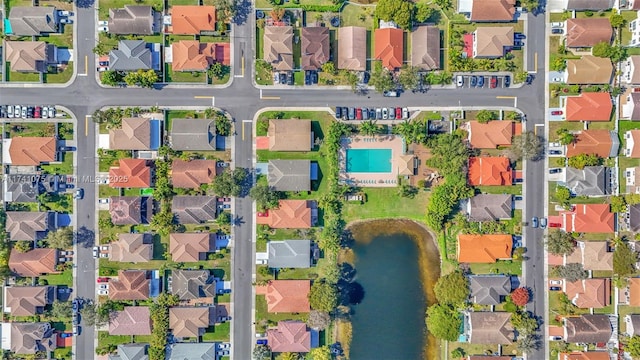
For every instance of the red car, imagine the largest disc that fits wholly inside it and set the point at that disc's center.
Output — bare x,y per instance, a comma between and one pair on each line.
359,114
263,214
398,113
555,225
37,112
556,112
103,279
494,82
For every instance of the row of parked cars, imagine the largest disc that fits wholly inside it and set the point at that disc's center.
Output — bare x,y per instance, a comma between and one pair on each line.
27,112
372,113
479,81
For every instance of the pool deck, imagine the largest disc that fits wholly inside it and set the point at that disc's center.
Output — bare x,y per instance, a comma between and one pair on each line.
393,142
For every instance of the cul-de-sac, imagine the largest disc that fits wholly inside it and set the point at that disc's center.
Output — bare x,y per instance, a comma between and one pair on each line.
320,179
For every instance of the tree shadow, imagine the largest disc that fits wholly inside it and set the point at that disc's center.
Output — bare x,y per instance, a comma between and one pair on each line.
351,293
243,11
85,3
85,237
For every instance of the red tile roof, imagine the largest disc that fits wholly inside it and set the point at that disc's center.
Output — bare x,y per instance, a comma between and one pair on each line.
389,46
584,355
286,296
589,293
591,142
588,218
192,20
492,134
490,171
32,150
34,262
484,248
590,106
132,173
290,336
634,291
291,214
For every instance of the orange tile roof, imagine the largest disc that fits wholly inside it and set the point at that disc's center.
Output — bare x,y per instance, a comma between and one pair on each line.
589,293
493,10
286,296
389,47
484,248
132,173
130,285
634,291
192,20
588,218
34,262
192,174
591,142
32,150
584,355
590,106
191,55
490,171
492,134
291,214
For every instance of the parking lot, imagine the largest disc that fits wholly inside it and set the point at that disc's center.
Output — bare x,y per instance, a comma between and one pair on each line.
482,81
391,113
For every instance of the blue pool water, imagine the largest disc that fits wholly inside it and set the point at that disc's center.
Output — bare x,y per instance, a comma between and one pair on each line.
368,160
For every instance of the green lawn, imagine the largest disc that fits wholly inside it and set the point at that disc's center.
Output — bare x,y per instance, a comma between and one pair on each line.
221,81
500,267
296,49
181,114
351,15
259,42
65,167
63,40
105,5
554,126
60,203
472,349
272,318
514,189
219,332
65,131
61,76
63,278
298,78
184,77
265,4
37,129
105,339
19,76
105,191
62,353
386,203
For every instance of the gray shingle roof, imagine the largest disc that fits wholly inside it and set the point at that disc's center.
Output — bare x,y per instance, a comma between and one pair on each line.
21,188
634,217
489,207
590,181
289,253
193,351
490,328
29,338
136,20
130,55
192,284
24,225
588,329
193,134
33,20
131,352
488,289
290,175
589,4
194,209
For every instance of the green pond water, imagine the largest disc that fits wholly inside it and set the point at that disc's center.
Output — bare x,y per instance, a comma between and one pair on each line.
397,264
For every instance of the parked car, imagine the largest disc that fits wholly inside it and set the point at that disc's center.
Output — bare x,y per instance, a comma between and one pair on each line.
103,286
534,222
222,164
225,346
555,152
104,248
480,81
103,201
102,279
75,305
557,25
359,114
555,171
103,23
405,113
96,251
261,341
64,13
557,31
372,113
556,112
103,292
473,80
75,321
494,82
555,282
398,113
52,112
392,114
24,112
103,28
30,112
66,253
10,111
314,77
338,112
226,206
290,78
379,113
307,78
64,290
385,114
519,36
76,330
543,222
79,194
529,79
390,94
352,114
283,78
555,288
365,114
459,81
345,110
103,63
37,112
507,81
66,21
518,43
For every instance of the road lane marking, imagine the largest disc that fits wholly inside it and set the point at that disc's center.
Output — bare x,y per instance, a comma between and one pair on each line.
535,61
268,97
244,122
213,99
86,64
515,99
86,125
243,66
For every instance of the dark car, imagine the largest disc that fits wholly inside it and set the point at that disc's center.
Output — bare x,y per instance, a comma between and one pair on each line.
372,113
283,78
494,82
365,114
345,110
507,81
555,171
555,288
529,79
103,63
518,43
314,77
352,113
473,81
480,81
307,78
557,31
338,112
261,342
519,36
555,152
290,78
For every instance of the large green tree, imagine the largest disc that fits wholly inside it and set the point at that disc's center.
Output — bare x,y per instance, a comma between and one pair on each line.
409,76
572,272
527,145
449,153
484,116
265,197
582,160
381,79
624,260
524,322
320,353
423,12
261,352
61,309
565,137
230,182
323,296
560,242
443,322
452,288
444,198
61,238
633,346
399,11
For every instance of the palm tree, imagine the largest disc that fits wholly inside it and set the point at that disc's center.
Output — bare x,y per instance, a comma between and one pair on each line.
565,137
369,128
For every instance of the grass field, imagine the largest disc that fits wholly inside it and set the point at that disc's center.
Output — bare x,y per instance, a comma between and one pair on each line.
31,129
63,278
63,40
514,189
218,332
184,77
19,76
65,131
386,203
272,318
500,267
65,167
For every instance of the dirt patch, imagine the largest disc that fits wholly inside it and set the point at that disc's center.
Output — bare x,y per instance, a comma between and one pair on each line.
423,172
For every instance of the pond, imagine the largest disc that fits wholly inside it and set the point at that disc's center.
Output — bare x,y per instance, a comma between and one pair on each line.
397,263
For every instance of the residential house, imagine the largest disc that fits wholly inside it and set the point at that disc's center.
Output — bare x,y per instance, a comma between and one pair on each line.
31,338
603,143
27,300
131,55
278,47
289,336
632,176
22,188
192,284
488,10
589,293
187,322
29,225
492,134
587,32
132,320
588,70
33,20
633,324
389,47
130,285
634,29
588,218
632,138
130,210
189,247
630,106
30,56
132,247
286,296
132,20
593,255
193,135
192,174
489,289
136,134
290,175
33,262
488,357
352,48
191,55
590,181
490,328
589,106
425,47
192,351
629,75
290,214
490,207
290,135
193,20
490,171
315,49
585,355
194,209
484,248
287,254
131,173
491,42
30,151
131,352
589,328
593,5
631,294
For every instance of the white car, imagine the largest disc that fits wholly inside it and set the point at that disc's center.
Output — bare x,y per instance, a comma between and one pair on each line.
555,282
459,81
52,112
104,248
103,201
64,13
103,287
45,112
10,111
96,251
104,255
103,28
66,21
555,338
385,114
103,23
103,292
16,111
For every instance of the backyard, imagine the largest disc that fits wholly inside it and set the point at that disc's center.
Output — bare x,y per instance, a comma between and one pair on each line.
271,318
184,77
218,332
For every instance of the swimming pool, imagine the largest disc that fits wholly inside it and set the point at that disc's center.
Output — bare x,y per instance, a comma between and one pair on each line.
368,160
